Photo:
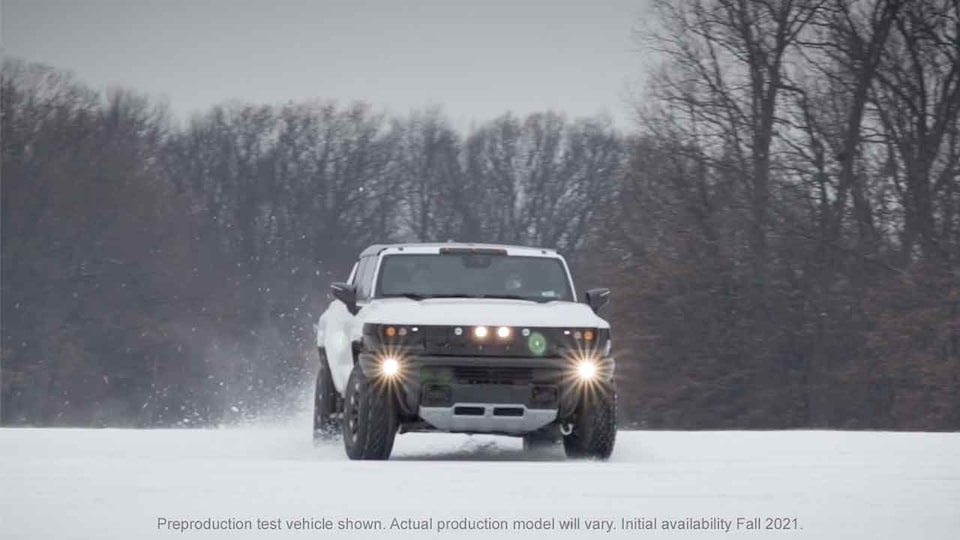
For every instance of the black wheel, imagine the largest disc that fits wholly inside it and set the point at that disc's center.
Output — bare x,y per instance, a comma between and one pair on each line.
540,440
594,425
327,404
369,418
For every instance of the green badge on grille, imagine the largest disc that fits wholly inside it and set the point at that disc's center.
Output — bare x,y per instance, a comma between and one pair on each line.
537,343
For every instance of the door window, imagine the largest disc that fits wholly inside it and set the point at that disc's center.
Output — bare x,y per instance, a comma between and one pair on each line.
365,278
352,278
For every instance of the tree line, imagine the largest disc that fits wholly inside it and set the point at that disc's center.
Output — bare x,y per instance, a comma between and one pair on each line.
780,227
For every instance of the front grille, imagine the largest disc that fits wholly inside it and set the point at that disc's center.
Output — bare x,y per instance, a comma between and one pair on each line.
492,375
442,340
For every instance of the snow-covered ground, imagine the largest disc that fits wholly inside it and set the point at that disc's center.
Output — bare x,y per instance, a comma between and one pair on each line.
85,484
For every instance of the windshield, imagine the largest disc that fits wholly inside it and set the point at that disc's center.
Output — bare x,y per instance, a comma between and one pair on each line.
541,279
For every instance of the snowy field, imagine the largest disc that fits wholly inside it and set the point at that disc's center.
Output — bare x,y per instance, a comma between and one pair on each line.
87,484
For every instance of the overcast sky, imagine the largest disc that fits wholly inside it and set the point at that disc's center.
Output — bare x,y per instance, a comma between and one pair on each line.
476,58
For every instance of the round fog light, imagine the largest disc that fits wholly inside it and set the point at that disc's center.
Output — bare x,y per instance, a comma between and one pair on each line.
390,367
587,370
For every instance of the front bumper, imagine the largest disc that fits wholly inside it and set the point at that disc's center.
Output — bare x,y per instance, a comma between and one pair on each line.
484,394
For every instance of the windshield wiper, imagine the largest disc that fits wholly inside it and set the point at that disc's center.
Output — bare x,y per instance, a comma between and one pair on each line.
411,296
418,296
505,296
516,297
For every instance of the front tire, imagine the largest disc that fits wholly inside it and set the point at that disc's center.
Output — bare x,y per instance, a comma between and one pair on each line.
369,418
594,425
327,405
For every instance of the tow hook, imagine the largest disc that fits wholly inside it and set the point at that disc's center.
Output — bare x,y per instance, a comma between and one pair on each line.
566,429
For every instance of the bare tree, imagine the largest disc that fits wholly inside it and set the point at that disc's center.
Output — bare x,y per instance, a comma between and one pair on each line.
727,79
429,172
918,103
540,181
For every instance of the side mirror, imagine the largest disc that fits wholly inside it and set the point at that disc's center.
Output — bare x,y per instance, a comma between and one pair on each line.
347,294
597,298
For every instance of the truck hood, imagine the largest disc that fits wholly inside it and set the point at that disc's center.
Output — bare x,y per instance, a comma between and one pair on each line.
480,311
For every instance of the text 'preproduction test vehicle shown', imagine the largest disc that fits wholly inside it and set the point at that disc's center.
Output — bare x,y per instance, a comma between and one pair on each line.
466,338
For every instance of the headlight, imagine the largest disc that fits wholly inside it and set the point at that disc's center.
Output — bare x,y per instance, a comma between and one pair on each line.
481,332
504,332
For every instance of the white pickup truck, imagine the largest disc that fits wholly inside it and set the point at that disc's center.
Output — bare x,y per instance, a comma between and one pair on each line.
467,338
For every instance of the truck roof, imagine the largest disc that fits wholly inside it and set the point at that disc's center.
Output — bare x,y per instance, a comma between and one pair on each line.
427,247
